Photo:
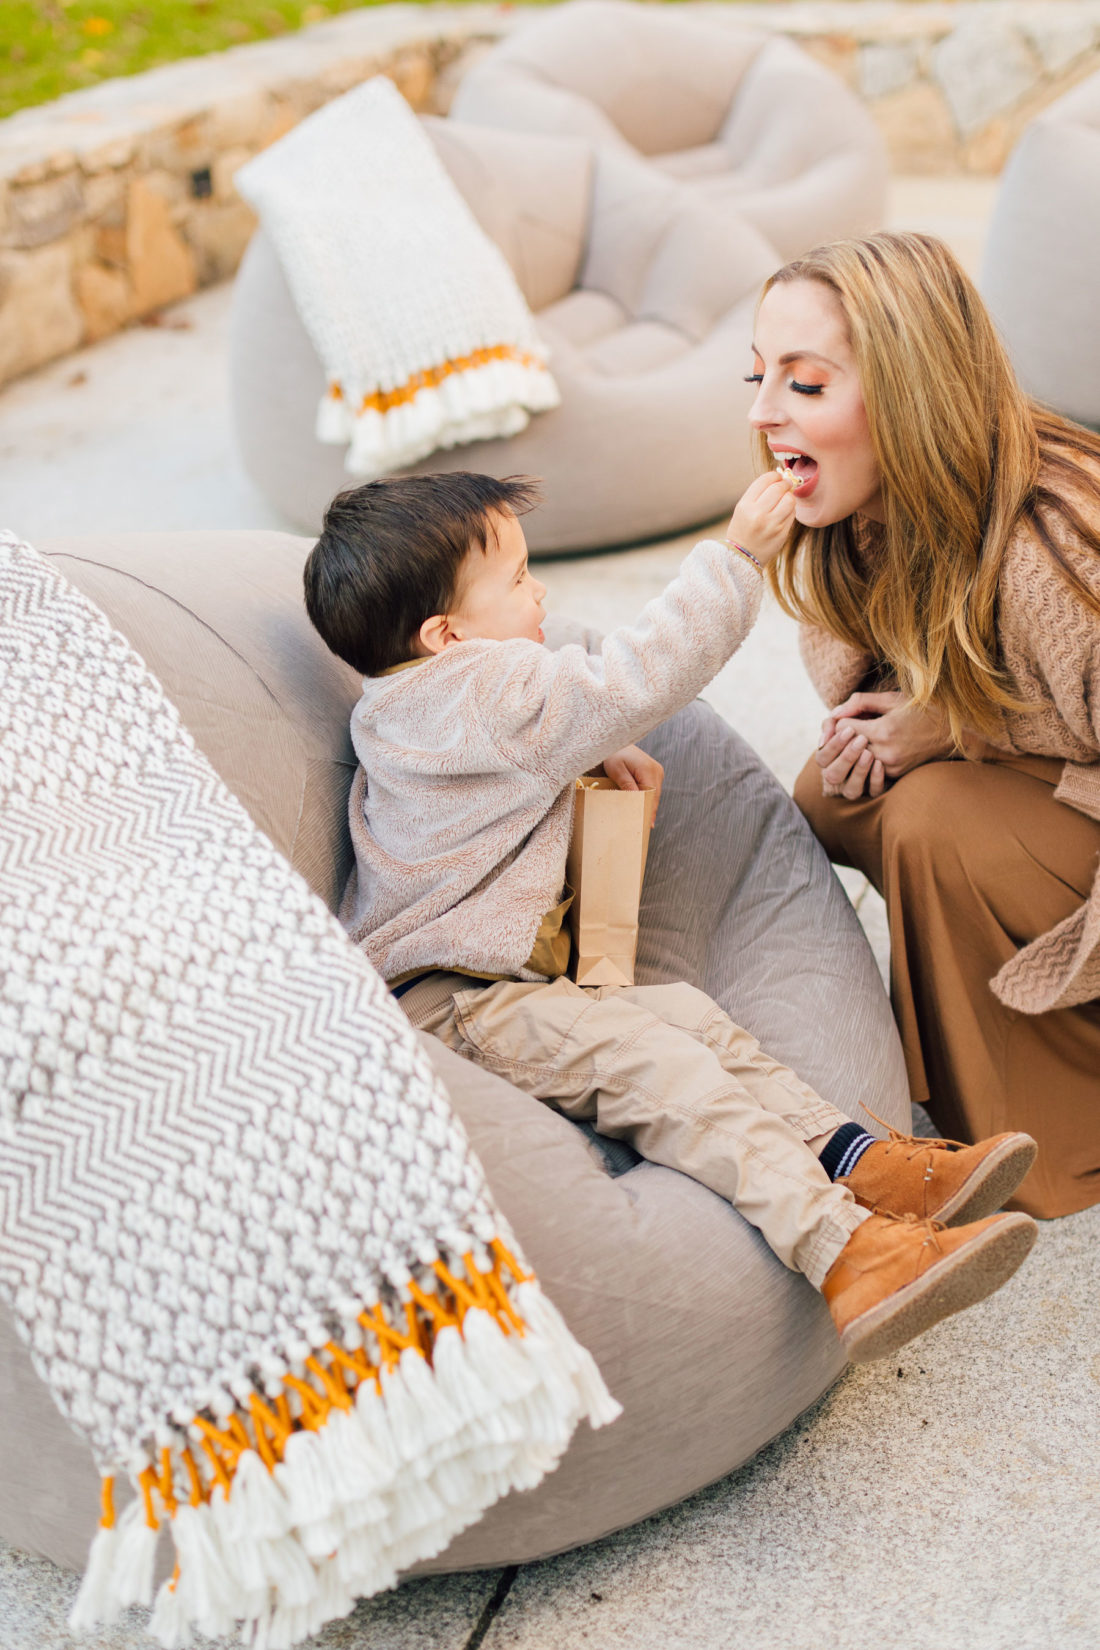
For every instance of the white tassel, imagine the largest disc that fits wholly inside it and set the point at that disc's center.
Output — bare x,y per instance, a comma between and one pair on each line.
546,1321
367,1510
404,1416
530,1467
256,1630
353,1466
241,1558
437,1419
287,1628
598,1405
500,1430
362,1565
499,1363
333,1600
432,1538
305,1480
371,1414
170,1623
289,1572
456,1481
97,1600
455,1379
258,1509
415,1506
549,1414
136,1560
493,1454
207,1584
321,1538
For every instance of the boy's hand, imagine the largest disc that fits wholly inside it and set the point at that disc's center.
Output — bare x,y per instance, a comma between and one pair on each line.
632,770
761,523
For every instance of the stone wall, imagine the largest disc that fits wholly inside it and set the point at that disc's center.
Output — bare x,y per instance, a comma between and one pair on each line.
117,200
951,85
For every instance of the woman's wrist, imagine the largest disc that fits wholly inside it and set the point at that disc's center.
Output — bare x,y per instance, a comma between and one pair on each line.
732,544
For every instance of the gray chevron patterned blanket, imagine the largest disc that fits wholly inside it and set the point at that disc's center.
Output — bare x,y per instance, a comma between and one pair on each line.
241,1231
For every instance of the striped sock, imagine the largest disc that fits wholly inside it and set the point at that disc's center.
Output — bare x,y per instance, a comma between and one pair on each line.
845,1150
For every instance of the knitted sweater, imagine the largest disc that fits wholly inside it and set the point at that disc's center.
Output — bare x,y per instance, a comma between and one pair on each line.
1049,643
462,805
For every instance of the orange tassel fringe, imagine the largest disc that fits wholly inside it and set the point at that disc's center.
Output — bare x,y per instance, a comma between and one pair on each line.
383,401
267,1426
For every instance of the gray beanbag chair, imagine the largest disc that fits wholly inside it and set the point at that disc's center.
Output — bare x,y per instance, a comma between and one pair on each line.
708,1342
644,295
640,230
750,122
1041,269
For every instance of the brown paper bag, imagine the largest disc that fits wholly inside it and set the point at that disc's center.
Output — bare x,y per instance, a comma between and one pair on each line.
605,868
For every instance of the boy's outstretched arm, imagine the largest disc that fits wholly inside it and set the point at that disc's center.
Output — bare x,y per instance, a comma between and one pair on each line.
558,713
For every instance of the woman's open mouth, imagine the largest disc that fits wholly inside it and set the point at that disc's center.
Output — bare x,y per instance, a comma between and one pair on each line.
802,466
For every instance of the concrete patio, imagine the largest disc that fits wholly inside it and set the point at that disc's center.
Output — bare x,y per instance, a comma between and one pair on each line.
949,1501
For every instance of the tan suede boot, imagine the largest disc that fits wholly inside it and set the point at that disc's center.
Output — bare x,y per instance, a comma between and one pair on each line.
897,1276
940,1180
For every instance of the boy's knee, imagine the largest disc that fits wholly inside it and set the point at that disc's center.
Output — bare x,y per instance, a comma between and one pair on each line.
676,1004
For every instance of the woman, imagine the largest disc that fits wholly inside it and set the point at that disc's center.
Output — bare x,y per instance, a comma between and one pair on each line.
946,568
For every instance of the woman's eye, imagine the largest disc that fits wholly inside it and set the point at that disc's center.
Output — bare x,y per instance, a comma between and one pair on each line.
806,389
754,378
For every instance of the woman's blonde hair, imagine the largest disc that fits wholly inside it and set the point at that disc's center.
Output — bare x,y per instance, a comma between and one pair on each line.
963,455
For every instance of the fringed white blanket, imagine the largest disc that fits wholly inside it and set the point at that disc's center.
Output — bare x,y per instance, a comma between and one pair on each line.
421,328
241,1231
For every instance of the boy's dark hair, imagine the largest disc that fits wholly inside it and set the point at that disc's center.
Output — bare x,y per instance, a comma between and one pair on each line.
390,556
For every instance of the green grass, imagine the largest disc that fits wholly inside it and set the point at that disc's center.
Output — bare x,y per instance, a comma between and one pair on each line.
48,47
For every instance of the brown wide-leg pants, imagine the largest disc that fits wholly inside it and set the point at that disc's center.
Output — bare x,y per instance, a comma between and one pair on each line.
975,860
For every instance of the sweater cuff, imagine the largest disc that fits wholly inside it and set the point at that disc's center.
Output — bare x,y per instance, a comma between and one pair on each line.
749,577
1079,787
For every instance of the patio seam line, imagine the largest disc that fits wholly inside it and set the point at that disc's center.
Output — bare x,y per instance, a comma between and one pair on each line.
492,1607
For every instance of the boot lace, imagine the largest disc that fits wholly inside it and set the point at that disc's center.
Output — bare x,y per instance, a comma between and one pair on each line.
932,1228
915,1143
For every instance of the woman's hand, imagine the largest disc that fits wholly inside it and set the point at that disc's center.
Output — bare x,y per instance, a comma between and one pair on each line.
761,523
873,737
632,770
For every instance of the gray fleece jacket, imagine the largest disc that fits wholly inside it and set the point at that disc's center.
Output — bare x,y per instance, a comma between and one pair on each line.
462,805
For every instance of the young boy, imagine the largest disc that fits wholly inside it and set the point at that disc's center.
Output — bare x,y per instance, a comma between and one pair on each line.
470,735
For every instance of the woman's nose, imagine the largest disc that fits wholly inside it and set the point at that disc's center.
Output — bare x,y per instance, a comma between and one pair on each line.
763,415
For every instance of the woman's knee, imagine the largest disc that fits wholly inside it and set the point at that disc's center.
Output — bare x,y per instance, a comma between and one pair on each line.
950,838
807,793
849,832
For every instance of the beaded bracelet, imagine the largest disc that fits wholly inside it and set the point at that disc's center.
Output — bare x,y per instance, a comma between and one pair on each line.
748,555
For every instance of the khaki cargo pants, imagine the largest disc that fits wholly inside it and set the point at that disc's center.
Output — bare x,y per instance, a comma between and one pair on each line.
662,1067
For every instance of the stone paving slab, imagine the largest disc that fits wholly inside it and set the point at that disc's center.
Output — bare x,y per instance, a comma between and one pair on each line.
133,433
439,1613
949,1500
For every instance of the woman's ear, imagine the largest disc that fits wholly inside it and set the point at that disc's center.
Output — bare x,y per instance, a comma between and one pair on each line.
437,633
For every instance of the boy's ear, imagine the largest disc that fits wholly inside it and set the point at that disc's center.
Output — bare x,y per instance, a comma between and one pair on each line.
437,633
